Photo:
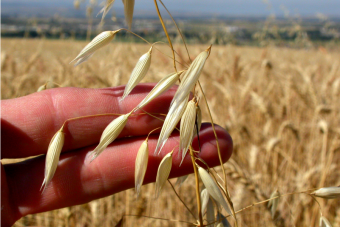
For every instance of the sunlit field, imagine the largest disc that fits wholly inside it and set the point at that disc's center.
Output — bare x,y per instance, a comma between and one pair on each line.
281,107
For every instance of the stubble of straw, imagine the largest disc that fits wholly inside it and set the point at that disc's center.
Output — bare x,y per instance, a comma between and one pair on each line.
52,157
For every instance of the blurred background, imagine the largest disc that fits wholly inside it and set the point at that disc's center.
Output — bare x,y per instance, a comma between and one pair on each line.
272,80
293,23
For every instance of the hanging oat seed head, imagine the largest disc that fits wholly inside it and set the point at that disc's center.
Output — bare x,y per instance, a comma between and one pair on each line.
191,76
108,5
213,189
138,72
274,202
52,157
42,87
98,42
324,222
204,200
162,86
210,214
187,128
110,133
327,193
172,118
128,11
141,165
163,173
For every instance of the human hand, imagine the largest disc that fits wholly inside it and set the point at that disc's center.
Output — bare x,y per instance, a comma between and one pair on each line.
28,124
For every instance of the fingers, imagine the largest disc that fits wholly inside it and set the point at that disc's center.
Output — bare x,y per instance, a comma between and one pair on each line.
77,182
28,123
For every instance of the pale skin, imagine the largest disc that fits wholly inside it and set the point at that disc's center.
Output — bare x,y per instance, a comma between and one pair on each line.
28,123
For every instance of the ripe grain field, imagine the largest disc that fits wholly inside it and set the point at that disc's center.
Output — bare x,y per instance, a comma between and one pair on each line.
281,107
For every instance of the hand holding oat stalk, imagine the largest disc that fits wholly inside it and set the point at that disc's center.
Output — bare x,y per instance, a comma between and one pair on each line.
29,123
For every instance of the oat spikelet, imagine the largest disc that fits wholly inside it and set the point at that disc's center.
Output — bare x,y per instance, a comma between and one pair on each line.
274,202
324,222
210,213
128,11
162,86
204,200
141,165
138,72
42,87
213,189
163,173
191,76
106,8
327,193
52,157
81,60
110,133
187,128
98,42
172,118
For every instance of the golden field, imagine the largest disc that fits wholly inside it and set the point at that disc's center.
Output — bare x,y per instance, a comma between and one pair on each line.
281,106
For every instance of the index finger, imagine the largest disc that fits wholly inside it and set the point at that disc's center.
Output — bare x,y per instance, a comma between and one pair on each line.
28,123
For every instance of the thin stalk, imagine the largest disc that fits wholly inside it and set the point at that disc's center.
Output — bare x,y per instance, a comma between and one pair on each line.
267,200
179,31
157,218
173,188
215,134
155,47
219,155
166,33
198,194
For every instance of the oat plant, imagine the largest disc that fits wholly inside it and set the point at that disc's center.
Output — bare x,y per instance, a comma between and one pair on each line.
214,205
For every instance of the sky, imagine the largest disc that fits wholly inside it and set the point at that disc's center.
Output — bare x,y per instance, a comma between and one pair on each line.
223,7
